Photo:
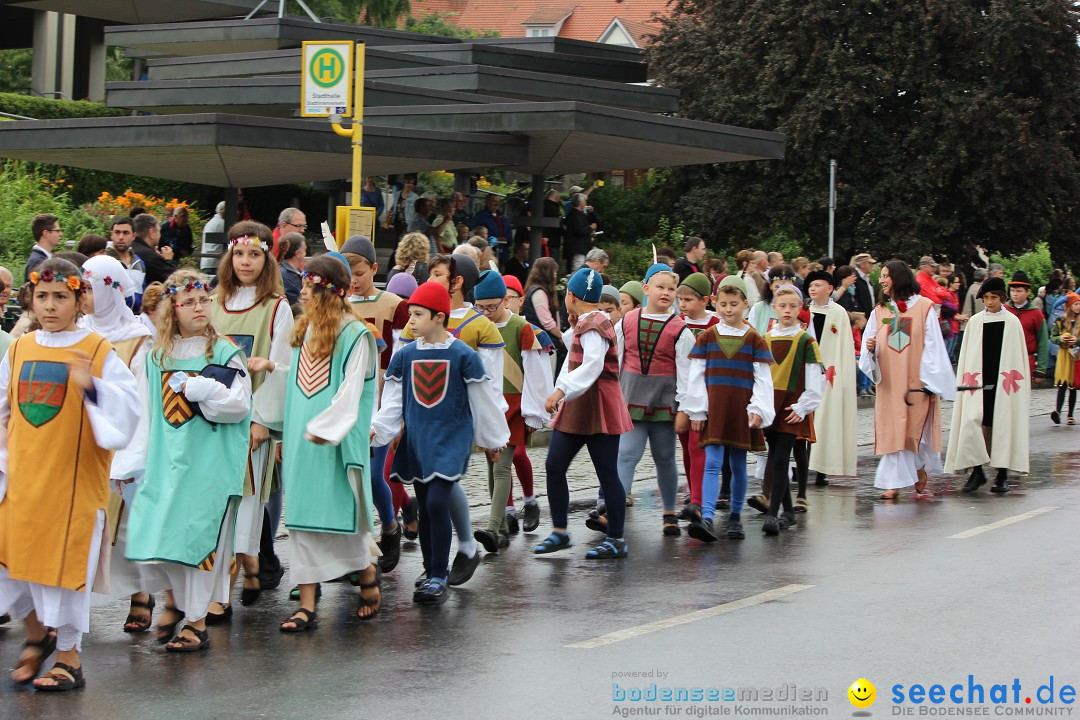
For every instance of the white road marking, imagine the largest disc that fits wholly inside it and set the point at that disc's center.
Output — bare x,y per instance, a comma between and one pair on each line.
1001,523
620,635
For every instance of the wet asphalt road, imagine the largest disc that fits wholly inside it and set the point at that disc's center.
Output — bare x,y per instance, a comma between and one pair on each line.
890,597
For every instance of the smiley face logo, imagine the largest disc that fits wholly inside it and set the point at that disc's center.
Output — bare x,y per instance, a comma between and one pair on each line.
862,693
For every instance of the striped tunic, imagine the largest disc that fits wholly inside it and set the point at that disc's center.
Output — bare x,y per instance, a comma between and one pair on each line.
601,409
729,381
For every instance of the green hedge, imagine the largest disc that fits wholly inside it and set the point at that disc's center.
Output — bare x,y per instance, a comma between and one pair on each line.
49,109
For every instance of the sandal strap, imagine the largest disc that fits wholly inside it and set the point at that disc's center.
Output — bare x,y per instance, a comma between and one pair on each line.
309,615
72,671
556,540
202,635
377,583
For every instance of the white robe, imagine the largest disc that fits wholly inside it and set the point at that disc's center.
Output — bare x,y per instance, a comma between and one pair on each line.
835,421
1009,437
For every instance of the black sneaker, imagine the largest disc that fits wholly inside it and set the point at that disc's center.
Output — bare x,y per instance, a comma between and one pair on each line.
1001,484
270,577
504,540
724,502
409,514
821,480
512,523
464,567
735,529
432,592
771,526
701,530
530,516
421,580
390,545
976,480
786,520
488,539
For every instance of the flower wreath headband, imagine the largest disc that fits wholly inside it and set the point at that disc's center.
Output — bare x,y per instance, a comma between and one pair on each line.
74,282
249,240
322,282
109,282
193,285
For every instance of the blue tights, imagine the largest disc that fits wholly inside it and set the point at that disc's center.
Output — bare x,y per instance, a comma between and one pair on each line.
710,483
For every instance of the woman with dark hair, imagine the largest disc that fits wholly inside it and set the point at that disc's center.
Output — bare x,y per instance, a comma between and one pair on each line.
91,245
844,288
904,352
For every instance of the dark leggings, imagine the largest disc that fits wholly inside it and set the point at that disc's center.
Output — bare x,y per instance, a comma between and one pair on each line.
725,477
780,445
1061,398
436,531
801,451
604,451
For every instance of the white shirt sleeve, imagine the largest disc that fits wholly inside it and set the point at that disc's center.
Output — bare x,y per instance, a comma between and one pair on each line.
490,430
220,404
131,461
696,402
387,422
336,421
493,363
575,382
268,404
811,396
116,412
868,360
620,343
537,388
683,346
935,369
761,399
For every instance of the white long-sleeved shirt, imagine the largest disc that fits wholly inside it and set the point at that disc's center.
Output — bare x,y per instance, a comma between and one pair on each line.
490,430
594,348
935,368
761,397
536,387
218,404
683,345
114,415
813,381
268,403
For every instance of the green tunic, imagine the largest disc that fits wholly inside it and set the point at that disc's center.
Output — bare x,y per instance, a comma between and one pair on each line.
193,469
320,495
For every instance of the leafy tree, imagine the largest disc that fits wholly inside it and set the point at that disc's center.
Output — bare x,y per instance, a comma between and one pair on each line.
381,13
952,120
439,24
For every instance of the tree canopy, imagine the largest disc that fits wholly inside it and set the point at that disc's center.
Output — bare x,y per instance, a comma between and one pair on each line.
952,121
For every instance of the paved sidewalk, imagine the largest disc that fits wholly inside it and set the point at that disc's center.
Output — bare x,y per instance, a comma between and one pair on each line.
581,476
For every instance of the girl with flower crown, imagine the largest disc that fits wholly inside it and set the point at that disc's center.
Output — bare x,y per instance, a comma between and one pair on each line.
106,313
191,458
904,353
66,402
251,309
325,454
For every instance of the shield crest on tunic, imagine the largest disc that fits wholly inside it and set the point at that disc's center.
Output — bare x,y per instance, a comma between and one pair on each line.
429,381
42,389
174,406
312,375
900,334
780,348
246,343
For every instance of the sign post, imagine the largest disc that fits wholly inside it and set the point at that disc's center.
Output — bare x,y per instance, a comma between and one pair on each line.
333,87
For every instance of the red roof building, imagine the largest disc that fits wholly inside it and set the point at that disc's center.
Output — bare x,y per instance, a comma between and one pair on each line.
618,22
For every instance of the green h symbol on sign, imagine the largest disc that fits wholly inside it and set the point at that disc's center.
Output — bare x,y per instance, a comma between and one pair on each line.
327,67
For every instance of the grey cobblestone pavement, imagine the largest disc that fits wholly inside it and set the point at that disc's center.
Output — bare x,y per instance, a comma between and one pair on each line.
582,478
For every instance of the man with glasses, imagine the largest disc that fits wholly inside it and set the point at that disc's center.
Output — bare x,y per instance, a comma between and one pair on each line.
47,235
289,220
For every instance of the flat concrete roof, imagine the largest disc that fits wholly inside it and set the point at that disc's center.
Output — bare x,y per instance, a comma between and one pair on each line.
236,151
276,96
188,39
147,11
279,95
269,62
572,137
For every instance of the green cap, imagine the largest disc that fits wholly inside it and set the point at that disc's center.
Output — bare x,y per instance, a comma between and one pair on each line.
737,283
698,283
635,290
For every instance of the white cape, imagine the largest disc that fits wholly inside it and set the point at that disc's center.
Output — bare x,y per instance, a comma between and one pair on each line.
835,420
1009,440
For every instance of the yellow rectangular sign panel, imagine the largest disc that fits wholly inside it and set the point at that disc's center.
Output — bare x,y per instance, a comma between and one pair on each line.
354,220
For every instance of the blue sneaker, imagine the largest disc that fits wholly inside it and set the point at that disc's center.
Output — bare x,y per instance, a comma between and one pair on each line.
553,543
610,549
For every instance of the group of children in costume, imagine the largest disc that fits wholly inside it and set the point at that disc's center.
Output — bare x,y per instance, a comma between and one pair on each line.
197,424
